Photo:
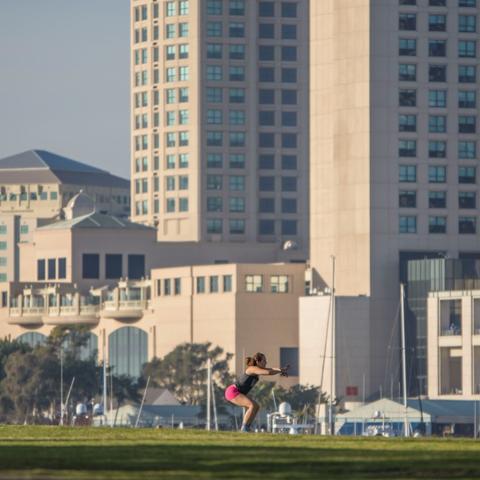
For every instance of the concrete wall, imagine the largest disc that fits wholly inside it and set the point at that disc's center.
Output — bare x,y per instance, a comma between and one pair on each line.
352,345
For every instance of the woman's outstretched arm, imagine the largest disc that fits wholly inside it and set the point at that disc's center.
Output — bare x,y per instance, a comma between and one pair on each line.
265,371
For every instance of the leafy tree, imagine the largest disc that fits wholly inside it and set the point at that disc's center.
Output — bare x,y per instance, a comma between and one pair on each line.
31,382
8,347
183,371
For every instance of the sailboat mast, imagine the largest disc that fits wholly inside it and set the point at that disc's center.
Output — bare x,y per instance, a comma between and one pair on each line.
404,357
332,356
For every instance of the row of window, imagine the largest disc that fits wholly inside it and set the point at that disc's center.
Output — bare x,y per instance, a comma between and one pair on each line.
28,196
172,205
437,199
437,22
437,174
265,161
216,139
437,48
113,266
437,224
216,7
173,286
438,98
265,8
215,95
52,269
436,124
441,3
265,183
267,227
265,205
437,73
437,149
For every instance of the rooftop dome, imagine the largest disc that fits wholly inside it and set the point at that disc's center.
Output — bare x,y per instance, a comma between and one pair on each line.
79,205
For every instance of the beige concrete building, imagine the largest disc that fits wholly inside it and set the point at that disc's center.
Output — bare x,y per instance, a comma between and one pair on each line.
97,270
34,187
220,121
454,344
392,176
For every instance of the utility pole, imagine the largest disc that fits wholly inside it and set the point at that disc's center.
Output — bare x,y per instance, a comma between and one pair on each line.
61,384
209,390
104,377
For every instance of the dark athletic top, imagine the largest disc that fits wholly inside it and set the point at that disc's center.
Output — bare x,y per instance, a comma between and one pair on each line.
246,382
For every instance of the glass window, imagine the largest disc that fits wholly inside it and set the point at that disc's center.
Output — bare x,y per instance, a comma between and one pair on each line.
236,183
266,53
467,174
266,9
214,182
227,283
214,117
289,356
467,225
407,224
289,184
437,48
407,148
279,284
136,266
467,200
214,225
214,284
214,204
177,286
289,97
407,98
467,124
467,73
437,174
437,73
266,97
407,21
91,265
289,10
407,174
236,95
254,283
437,98
236,226
437,224
266,205
289,205
236,30
214,7
236,205
214,73
437,23
266,74
266,30
183,29
467,99
200,284
266,227
214,29
266,183
266,161
289,75
437,199
266,118
113,266
289,54
289,227
407,199
214,160
236,52
266,140
407,47
170,205
214,95
437,149
236,74
407,72
467,150
437,123
467,23
407,123
40,269
214,50
236,117
236,160
467,48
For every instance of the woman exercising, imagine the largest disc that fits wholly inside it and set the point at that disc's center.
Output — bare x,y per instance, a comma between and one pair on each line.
237,393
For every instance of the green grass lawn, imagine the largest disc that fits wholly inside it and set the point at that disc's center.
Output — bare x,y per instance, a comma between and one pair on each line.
92,453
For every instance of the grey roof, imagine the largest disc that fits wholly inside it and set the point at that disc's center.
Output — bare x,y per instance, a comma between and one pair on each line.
97,221
41,166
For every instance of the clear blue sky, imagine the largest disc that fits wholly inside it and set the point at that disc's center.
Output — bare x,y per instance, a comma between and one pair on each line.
64,79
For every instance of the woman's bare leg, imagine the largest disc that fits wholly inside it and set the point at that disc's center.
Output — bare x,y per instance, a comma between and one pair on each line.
250,405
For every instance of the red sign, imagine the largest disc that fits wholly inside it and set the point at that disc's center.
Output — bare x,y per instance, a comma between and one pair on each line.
351,391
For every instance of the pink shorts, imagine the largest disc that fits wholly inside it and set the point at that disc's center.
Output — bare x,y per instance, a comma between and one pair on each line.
231,392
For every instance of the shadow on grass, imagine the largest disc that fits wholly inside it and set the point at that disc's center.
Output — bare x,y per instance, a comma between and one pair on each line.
214,461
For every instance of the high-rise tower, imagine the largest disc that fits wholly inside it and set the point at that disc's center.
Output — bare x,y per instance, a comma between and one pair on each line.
220,120
394,113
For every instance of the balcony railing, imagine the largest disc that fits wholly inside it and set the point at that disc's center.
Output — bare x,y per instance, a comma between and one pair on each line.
450,332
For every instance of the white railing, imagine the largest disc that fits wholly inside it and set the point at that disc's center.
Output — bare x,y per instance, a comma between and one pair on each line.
451,333
26,311
125,305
